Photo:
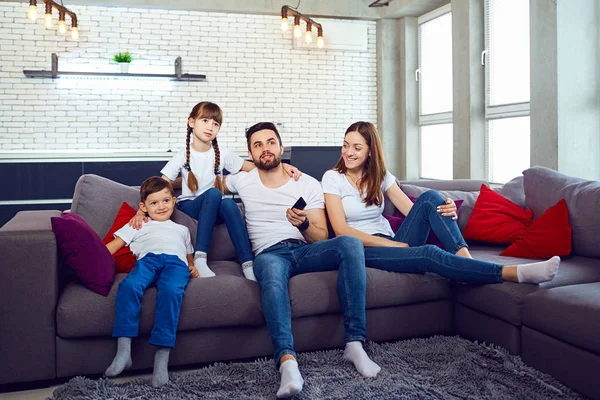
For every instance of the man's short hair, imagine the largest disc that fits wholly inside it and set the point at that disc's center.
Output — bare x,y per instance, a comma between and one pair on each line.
259,127
154,184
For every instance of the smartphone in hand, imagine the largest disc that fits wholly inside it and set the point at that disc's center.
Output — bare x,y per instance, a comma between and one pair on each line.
300,204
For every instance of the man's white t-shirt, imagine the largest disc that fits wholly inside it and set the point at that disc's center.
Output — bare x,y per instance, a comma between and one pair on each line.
202,165
265,208
158,237
358,216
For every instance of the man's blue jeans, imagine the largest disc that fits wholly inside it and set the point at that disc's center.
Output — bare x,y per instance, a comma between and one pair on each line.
277,264
210,208
421,258
170,275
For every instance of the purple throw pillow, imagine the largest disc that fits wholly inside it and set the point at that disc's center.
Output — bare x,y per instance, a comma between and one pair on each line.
397,219
82,250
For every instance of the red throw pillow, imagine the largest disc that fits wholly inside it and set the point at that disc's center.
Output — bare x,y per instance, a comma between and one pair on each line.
549,235
124,258
496,219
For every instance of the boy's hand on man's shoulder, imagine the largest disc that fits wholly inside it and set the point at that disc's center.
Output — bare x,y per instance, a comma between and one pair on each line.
193,271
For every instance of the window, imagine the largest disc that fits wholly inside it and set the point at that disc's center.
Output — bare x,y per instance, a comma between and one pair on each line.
435,93
506,61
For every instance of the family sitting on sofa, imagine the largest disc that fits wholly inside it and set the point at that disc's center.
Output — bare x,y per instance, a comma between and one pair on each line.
286,235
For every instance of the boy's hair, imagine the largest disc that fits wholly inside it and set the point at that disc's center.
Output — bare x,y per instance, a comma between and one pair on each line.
154,184
259,127
208,110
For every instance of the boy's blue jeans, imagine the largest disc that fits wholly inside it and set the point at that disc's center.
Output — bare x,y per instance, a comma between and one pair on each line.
170,275
210,208
420,258
277,264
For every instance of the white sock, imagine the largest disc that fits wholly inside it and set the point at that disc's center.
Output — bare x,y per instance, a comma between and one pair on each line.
291,380
538,272
248,270
201,265
160,375
355,353
122,359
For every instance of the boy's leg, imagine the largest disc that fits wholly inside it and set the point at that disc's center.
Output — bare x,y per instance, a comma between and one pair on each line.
128,308
423,217
230,214
273,271
346,254
205,209
171,284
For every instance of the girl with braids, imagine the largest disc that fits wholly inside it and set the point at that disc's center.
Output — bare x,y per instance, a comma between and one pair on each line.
201,164
354,201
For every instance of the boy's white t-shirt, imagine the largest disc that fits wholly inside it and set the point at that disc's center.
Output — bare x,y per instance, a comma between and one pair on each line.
202,165
158,237
358,216
265,208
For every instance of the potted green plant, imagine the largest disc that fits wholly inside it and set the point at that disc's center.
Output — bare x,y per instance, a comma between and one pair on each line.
123,59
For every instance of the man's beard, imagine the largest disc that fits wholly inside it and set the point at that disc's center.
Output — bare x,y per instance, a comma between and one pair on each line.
268,165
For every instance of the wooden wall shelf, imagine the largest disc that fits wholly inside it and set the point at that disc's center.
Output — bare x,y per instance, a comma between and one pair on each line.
55,73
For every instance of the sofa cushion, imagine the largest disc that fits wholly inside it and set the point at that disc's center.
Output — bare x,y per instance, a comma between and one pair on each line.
228,299
549,235
567,313
504,300
496,219
82,250
124,258
544,187
98,200
316,293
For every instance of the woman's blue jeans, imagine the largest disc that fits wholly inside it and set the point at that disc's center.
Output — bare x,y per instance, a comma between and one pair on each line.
421,258
210,208
277,264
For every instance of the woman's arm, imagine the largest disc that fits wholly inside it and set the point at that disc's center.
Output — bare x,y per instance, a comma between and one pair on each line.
399,199
337,217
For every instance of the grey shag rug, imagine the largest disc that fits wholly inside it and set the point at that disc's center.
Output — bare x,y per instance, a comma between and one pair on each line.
440,367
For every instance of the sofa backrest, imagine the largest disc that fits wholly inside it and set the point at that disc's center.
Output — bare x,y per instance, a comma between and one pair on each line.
97,200
544,187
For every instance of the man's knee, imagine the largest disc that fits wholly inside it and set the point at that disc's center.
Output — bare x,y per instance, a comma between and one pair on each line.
269,268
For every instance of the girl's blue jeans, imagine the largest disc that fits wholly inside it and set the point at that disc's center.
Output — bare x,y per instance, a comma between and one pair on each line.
421,258
210,208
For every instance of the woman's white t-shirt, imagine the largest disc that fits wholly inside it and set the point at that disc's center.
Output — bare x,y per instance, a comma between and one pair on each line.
202,165
358,216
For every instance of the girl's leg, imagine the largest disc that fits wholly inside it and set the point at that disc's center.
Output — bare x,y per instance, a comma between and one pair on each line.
230,214
430,258
423,217
204,208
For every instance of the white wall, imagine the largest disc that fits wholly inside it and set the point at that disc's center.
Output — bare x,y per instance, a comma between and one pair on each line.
252,71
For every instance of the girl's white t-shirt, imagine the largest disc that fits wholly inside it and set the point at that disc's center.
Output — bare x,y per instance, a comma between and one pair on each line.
202,165
358,216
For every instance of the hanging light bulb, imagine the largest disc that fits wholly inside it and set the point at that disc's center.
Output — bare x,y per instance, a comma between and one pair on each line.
74,29
284,19
48,18
297,31
62,26
320,41
308,35
32,12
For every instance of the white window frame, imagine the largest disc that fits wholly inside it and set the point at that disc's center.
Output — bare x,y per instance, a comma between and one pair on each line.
512,110
435,118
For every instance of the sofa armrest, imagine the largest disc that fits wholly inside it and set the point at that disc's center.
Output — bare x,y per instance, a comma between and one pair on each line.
28,297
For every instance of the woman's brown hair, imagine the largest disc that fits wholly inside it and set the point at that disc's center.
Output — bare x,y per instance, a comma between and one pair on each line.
369,184
207,110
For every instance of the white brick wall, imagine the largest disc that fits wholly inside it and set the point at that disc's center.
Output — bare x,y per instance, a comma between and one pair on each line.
252,71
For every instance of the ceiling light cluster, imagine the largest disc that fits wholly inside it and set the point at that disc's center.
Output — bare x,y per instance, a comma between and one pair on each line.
62,13
287,11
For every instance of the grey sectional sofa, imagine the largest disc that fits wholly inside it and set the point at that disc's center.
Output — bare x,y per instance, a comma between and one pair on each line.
52,327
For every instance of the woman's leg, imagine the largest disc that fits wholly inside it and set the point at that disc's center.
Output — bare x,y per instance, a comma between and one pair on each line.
430,258
423,217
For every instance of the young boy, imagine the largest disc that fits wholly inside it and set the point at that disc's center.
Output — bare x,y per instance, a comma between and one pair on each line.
165,259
